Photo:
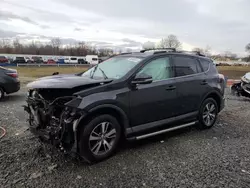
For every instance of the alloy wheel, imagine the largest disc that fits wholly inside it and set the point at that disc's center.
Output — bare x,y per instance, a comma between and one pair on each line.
102,138
209,114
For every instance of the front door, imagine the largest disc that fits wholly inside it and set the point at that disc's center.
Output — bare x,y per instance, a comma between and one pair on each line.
157,100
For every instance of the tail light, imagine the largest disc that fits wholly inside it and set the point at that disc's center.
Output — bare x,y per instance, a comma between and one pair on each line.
221,78
12,74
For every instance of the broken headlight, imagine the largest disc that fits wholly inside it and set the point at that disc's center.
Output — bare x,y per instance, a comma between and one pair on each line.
244,79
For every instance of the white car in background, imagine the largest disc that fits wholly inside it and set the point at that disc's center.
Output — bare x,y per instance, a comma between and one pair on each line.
73,60
92,59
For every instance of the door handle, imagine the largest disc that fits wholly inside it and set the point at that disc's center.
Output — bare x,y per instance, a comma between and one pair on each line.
204,82
171,87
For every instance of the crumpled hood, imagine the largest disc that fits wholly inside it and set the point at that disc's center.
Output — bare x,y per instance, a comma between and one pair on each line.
247,76
66,81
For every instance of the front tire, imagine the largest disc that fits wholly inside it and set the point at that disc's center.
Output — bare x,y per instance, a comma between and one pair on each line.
99,138
1,93
208,113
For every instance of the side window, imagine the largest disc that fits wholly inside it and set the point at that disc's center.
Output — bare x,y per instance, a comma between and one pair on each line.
204,64
186,66
159,69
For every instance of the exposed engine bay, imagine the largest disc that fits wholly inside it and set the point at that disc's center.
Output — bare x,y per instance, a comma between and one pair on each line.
242,88
50,119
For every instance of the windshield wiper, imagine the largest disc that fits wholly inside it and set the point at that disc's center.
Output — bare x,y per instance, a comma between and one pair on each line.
103,73
93,72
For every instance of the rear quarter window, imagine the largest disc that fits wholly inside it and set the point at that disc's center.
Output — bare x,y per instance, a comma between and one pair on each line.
204,64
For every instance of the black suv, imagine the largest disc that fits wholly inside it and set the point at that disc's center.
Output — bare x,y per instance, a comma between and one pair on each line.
133,95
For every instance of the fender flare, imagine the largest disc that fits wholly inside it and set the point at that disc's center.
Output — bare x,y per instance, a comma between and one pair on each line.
116,108
211,92
125,120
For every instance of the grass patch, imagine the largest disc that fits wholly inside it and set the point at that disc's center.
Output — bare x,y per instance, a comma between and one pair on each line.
233,72
37,72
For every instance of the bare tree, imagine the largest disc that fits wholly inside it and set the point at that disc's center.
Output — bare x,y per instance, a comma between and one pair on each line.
198,50
56,43
248,47
105,52
17,46
6,45
170,42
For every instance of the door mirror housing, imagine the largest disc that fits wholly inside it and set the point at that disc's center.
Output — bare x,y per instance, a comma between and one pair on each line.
142,78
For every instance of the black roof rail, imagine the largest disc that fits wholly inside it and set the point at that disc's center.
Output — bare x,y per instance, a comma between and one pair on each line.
192,52
162,50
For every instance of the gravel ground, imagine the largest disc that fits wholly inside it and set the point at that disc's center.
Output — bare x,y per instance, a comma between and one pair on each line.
218,157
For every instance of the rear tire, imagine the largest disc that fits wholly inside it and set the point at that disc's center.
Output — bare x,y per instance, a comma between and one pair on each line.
1,93
99,138
208,113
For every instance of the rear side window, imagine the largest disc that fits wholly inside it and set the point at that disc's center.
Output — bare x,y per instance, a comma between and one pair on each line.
73,58
204,64
186,66
94,59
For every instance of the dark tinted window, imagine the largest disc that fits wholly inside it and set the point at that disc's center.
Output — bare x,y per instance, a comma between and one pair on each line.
204,64
94,59
73,58
186,66
19,58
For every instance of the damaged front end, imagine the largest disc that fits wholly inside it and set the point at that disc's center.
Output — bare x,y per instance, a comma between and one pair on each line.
51,120
242,88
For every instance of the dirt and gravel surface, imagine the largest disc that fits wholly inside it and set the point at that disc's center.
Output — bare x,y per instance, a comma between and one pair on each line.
218,157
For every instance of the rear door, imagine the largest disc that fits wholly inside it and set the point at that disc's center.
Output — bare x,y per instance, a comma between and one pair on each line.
157,100
190,83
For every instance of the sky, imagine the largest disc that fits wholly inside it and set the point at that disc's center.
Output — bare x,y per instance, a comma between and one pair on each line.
221,24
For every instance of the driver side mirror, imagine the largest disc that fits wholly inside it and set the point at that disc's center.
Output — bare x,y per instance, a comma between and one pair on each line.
142,78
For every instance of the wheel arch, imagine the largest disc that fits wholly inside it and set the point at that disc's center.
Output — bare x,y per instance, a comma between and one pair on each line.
214,95
110,109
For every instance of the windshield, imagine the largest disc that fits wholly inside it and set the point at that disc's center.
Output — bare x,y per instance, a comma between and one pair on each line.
114,68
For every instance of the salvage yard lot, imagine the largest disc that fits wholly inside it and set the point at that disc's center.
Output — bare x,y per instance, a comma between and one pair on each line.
218,157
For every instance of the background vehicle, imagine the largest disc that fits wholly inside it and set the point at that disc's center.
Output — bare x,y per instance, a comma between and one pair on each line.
3,59
135,96
37,59
60,61
92,59
51,61
19,60
82,61
9,82
73,60
28,59
242,88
